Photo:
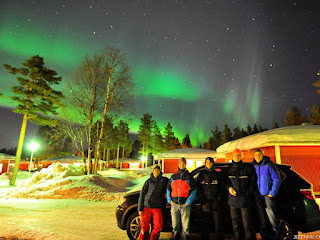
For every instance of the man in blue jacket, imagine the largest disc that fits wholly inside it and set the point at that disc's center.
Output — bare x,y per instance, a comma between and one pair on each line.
268,183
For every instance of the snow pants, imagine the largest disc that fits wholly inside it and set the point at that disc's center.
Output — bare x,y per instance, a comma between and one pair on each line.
156,214
246,229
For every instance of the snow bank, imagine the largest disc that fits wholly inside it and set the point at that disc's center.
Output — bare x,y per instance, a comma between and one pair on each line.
132,174
61,182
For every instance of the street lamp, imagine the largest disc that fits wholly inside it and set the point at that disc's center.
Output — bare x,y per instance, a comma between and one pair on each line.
32,146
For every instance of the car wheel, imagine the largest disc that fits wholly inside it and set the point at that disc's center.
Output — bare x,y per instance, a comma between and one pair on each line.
133,226
287,231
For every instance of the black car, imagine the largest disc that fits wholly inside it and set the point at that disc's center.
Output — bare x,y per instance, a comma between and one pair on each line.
297,208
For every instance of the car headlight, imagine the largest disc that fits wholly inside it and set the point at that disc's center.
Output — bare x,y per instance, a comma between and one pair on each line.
122,201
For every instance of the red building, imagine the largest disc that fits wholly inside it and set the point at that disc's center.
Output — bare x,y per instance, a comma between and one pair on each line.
8,161
5,160
298,146
126,163
195,157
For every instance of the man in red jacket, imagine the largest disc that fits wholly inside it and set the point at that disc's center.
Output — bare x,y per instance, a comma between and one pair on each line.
181,192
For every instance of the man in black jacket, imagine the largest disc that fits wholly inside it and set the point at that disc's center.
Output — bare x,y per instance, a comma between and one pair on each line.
151,202
210,187
241,186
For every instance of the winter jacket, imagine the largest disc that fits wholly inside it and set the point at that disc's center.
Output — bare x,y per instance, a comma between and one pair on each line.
210,189
181,188
243,179
153,192
268,177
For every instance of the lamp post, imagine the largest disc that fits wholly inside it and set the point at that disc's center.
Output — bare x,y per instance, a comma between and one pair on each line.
32,146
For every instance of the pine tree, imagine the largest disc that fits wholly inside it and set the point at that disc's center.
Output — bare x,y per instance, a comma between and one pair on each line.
315,115
35,97
226,134
157,142
176,143
170,140
123,139
51,142
216,140
136,146
261,129
249,130
236,133
186,142
275,125
293,117
144,135
255,129
108,142
243,133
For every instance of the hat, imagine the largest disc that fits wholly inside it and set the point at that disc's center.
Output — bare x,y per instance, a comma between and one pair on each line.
210,159
156,166
237,150
257,150
182,160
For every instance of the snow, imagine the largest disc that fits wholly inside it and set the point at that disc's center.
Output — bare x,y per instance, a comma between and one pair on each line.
60,181
60,203
194,153
294,135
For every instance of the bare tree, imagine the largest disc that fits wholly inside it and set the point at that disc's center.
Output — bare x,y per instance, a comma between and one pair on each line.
101,86
118,87
85,90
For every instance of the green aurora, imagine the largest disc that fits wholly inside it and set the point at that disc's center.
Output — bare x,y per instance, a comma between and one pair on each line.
64,56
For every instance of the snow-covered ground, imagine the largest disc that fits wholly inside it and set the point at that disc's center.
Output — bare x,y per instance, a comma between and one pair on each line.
59,203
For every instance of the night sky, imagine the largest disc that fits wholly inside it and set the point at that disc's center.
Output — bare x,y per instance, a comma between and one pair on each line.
195,63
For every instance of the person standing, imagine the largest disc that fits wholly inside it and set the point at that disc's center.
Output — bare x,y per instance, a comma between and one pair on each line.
210,189
268,184
181,192
150,204
241,186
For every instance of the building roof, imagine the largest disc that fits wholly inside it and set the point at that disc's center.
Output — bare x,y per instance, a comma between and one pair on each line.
294,135
195,153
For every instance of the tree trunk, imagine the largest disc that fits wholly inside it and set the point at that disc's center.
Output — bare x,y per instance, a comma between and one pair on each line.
108,157
143,144
84,163
89,150
104,153
19,150
84,158
105,111
118,150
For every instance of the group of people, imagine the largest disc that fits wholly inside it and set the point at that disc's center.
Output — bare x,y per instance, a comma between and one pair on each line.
251,187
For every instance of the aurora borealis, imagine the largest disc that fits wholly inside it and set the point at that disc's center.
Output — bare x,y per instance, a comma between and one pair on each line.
196,63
